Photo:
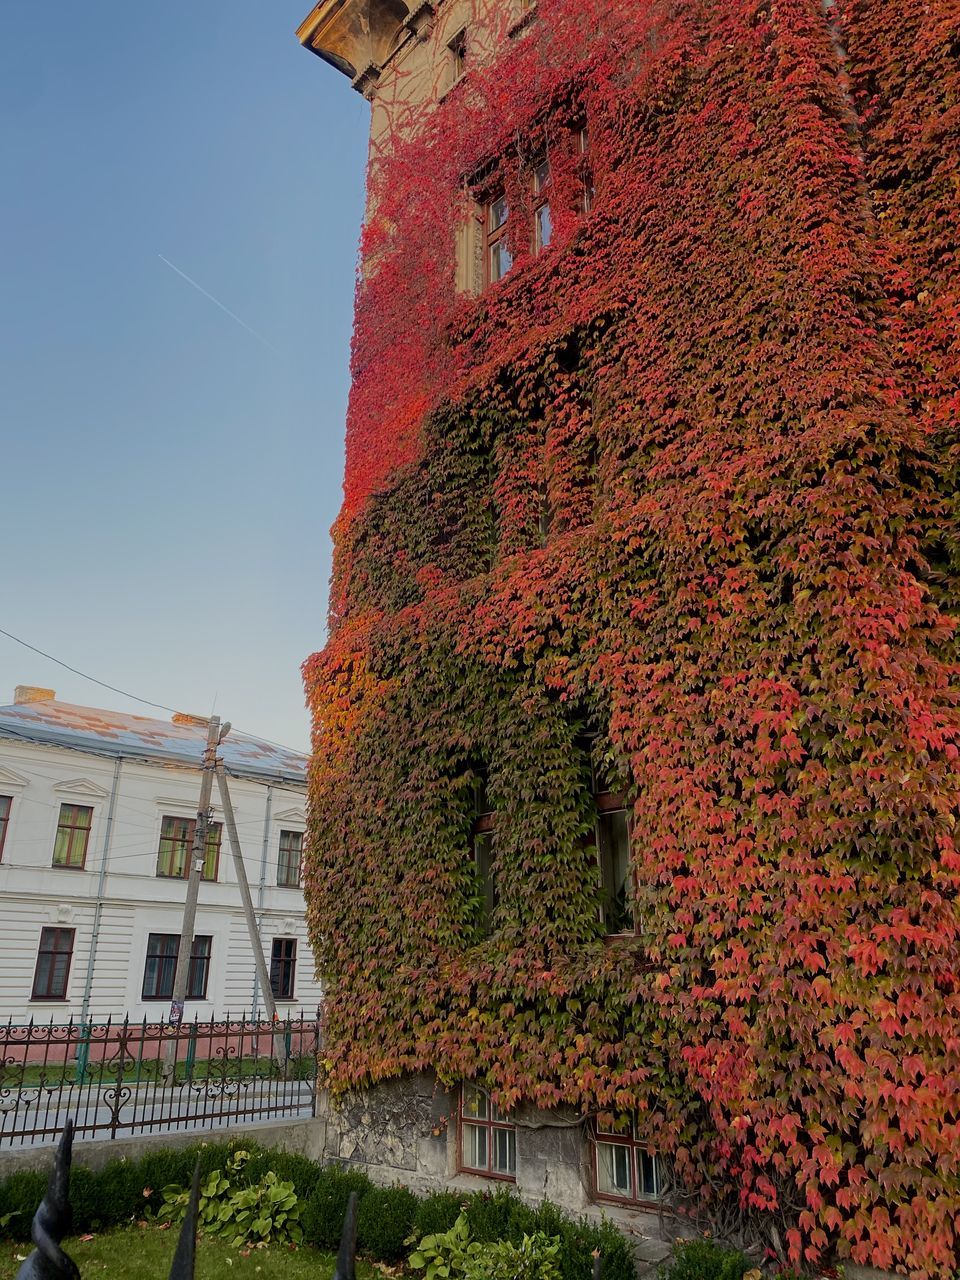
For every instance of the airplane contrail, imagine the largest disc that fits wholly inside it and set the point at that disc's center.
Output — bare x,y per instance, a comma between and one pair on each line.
216,301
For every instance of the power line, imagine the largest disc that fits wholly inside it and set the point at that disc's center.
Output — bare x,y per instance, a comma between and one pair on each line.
83,675
160,706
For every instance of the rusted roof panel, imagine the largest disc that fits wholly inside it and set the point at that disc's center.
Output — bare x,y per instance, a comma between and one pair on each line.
139,737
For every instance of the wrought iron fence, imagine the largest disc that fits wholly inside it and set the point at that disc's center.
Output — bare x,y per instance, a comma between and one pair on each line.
118,1078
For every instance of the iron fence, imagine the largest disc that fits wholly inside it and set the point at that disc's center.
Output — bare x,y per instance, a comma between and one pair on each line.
119,1078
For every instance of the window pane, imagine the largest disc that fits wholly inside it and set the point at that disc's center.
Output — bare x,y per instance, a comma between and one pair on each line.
474,1102
504,1151
288,862
500,260
483,854
212,855
613,841
499,212
544,227
613,1170
541,175
475,1147
648,1175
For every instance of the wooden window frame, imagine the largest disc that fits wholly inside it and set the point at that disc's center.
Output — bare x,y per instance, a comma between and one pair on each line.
491,1126
483,825
495,236
541,201
190,826
626,1139
54,935
197,959
588,191
6,808
605,803
75,829
457,49
283,863
283,966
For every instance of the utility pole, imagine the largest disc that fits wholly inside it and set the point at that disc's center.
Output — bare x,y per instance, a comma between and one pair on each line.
197,857
263,974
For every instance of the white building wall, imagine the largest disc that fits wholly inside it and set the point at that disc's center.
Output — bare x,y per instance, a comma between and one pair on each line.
136,902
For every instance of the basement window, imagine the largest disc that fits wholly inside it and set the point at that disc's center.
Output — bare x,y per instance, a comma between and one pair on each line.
488,1141
625,1170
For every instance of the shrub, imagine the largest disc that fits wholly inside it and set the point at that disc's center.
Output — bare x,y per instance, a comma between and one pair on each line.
385,1219
20,1195
437,1213
703,1260
86,1201
499,1216
534,1258
120,1191
289,1166
323,1214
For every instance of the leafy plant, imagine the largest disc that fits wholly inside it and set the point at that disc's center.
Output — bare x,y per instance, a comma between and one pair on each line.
446,1255
266,1212
534,1258
703,1260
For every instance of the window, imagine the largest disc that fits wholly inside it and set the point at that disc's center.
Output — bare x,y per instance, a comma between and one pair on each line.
481,838
288,863
53,964
176,844
283,968
585,170
457,49
488,1142
613,855
73,836
161,966
542,222
624,1168
498,256
5,805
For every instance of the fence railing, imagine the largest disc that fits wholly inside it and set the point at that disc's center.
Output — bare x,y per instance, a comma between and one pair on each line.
119,1078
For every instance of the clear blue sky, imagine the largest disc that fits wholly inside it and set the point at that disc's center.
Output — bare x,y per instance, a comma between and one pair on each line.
168,479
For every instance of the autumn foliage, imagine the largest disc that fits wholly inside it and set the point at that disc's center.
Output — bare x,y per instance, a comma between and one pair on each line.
684,483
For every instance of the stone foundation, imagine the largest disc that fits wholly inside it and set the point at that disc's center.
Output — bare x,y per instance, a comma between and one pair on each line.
405,1131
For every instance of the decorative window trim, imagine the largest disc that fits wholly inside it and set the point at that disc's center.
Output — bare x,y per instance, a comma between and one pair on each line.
491,1124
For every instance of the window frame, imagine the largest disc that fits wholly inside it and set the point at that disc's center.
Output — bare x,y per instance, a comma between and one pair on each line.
284,862
628,1140
190,825
587,196
196,960
73,828
285,966
48,995
494,237
457,49
542,187
6,809
607,803
491,1125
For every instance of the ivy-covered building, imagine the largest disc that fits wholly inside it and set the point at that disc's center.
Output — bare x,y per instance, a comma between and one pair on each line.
632,876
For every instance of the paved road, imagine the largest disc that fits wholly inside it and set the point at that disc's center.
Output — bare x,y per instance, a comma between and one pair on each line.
146,1109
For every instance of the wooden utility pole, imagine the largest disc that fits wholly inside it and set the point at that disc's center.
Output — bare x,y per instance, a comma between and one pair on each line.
263,974
197,858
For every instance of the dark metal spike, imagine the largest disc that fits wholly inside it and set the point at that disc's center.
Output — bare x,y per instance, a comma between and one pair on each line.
346,1268
596,1266
52,1221
184,1260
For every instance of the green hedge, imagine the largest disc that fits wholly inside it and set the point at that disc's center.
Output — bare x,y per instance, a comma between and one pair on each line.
126,1190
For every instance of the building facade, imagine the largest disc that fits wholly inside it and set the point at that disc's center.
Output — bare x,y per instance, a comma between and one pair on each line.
633,804
97,813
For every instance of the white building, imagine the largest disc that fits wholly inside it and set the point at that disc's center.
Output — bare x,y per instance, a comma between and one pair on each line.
96,819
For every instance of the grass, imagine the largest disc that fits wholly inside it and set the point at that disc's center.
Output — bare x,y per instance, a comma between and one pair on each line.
145,1253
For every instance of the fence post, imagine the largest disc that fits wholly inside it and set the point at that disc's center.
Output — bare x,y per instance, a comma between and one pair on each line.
83,1053
191,1051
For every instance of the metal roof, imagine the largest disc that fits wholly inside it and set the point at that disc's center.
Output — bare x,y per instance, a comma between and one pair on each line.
111,733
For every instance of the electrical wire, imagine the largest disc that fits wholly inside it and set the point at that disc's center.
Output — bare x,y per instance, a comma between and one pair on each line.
146,702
